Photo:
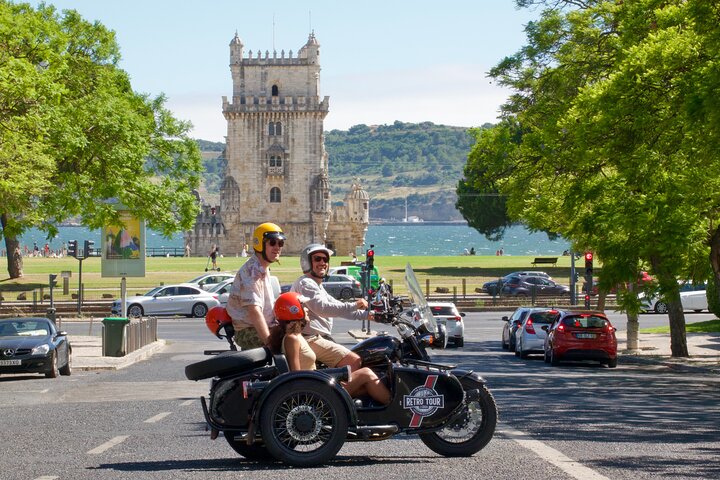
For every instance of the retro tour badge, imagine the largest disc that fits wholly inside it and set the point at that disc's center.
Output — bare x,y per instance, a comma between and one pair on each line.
423,401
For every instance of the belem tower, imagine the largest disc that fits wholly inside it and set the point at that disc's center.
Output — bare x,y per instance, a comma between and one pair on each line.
277,166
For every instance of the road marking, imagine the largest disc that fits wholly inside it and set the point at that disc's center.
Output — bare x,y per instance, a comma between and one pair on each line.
157,417
108,445
188,402
555,457
47,477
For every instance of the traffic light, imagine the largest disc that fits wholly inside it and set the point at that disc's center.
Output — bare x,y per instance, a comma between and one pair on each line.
52,280
370,259
72,248
587,301
88,248
588,264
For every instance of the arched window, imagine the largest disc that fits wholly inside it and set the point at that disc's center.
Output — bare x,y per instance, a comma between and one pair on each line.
271,128
278,128
274,90
275,195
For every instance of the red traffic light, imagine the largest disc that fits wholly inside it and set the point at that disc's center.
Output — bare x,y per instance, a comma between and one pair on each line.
371,253
588,256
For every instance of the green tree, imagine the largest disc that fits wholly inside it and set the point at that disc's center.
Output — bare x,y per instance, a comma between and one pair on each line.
612,154
75,136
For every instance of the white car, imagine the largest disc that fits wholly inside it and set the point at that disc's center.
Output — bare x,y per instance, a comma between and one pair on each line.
222,289
446,313
693,297
530,337
183,299
208,281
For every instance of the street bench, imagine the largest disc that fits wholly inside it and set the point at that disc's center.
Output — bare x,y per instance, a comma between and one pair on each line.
545,261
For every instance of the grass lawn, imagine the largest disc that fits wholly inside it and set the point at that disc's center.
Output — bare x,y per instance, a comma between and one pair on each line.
709,326
448,272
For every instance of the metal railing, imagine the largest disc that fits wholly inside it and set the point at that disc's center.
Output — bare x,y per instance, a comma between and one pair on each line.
140,332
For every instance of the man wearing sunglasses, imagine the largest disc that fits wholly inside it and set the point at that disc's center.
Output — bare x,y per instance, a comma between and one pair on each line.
321,306
251,300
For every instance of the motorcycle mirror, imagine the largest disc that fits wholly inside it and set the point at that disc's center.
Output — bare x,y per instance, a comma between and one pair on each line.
440,337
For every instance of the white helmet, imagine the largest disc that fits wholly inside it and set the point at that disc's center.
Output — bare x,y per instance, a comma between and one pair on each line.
306,261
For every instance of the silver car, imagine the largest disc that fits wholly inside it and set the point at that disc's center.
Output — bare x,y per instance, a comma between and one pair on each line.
209,281
343,287
183,299
530,337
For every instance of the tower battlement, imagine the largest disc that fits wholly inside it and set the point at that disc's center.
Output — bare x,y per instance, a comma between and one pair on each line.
300,103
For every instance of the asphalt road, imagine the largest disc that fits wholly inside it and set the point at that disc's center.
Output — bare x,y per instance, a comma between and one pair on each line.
571,422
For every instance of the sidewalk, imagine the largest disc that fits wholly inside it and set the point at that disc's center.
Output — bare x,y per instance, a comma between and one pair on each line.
87,354
703,348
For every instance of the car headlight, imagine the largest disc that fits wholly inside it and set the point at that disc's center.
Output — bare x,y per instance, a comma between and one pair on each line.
40,350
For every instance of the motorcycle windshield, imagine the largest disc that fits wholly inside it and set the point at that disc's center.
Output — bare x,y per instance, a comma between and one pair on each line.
418,299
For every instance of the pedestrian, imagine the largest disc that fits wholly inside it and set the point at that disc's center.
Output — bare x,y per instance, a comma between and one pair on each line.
322,307
213,256
251,299
187,250
286,338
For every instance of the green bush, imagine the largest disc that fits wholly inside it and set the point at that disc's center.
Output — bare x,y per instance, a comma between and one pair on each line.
712,296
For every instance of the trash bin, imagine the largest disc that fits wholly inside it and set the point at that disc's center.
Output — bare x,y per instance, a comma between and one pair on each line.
113,337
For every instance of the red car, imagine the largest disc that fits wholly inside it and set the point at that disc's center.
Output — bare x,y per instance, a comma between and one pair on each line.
581,335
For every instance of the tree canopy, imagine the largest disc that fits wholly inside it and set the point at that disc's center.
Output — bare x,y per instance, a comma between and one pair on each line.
75,137
616,107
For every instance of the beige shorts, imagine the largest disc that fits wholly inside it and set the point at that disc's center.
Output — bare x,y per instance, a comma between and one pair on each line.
327,352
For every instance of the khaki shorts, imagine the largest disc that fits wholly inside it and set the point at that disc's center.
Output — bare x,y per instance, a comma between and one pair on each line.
327,352
247,338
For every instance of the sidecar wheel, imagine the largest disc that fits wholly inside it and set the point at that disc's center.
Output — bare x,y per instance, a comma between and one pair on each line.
255,451
304,423
469,434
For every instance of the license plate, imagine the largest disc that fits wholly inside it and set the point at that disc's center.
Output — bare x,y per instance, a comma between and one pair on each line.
7,363
585,335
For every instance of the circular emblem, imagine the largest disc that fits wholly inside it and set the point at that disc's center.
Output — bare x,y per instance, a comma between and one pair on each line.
8,352
294,309
424,401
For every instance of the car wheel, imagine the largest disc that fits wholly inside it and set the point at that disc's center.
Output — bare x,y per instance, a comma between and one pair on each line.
612,363
661,307
256,451
459,342
135,310
199,310
53,368
303,423
511,345
523,354
67,368
546,357
554,358
346,294
504,345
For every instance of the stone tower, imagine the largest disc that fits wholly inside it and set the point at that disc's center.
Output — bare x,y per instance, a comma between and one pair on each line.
277,166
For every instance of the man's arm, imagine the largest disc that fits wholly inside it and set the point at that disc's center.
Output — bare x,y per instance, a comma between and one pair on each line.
256,317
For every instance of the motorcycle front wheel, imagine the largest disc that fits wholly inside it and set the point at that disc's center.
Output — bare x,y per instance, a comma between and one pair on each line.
472,431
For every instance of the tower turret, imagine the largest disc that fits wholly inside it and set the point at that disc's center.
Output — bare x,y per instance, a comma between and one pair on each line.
236,49
311,50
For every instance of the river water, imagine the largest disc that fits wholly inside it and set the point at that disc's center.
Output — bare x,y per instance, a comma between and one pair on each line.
415,239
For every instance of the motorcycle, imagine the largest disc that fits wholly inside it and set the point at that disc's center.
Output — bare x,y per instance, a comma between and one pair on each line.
304,417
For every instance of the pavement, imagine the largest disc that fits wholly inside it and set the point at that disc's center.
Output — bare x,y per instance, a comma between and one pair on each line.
703,349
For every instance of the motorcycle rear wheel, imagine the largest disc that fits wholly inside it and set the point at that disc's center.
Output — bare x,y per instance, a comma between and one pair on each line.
472,432
256,451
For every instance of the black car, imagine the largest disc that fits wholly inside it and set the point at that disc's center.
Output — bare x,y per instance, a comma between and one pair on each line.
527,286
493,286
511,327
34,345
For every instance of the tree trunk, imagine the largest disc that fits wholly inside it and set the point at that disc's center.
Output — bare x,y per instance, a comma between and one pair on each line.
633,324
602,296
676,316
14,255
715,259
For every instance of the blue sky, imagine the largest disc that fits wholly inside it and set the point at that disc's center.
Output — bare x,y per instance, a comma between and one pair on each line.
381,61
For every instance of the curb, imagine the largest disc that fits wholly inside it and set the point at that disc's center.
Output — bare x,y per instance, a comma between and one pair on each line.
118,363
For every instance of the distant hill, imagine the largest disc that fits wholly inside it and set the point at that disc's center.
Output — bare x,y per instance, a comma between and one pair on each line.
421,162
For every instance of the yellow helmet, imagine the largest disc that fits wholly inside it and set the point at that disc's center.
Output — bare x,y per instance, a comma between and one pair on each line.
264,232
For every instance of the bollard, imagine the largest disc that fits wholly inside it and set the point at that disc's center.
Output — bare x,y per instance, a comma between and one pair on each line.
51,314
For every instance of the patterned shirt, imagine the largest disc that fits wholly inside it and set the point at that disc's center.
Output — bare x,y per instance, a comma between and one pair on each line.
252,286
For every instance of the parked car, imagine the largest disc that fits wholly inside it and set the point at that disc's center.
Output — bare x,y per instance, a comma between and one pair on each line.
34,345
692,297
446,313
527,286
581,335
222,290
210,280
183,299
355,271
530,337
511,326
491,287
343,287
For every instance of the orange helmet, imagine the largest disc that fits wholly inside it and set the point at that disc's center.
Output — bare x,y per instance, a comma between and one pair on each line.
217,318
289,308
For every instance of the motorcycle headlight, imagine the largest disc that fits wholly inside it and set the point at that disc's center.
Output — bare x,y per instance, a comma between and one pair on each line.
40,350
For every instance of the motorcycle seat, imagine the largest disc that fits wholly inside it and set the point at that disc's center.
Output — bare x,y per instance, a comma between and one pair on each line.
229,363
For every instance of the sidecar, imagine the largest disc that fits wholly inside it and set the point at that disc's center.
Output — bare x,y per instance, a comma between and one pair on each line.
303,418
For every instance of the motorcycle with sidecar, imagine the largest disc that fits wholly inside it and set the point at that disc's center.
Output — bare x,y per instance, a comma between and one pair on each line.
304,417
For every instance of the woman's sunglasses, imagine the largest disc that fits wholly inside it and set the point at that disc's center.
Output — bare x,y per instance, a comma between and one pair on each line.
272,242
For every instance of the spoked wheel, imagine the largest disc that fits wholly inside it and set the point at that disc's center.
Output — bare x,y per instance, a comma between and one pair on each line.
472,431
256,451
199,310
304,423
346,294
